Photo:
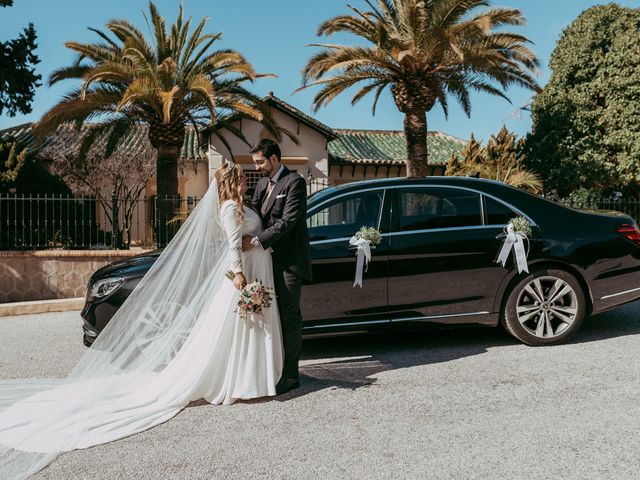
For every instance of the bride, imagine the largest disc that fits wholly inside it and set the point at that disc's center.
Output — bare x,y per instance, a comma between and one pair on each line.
176,339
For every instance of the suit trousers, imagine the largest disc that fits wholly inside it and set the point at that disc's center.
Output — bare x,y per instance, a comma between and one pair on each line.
288,286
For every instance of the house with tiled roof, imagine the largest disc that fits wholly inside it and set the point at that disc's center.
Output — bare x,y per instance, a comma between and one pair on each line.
327,156
323,155
382,153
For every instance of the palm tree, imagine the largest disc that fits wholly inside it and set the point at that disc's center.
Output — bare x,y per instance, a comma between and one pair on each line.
425,51
172,81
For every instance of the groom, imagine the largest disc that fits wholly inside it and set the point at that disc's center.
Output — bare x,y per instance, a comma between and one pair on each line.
281,199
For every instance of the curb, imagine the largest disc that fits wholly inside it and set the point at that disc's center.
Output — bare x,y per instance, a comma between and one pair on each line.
41,306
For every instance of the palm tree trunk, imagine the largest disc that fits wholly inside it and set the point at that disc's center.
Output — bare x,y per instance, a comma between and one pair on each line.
167,188
415,131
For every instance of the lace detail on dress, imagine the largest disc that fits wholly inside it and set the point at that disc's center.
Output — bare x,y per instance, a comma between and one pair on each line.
233,229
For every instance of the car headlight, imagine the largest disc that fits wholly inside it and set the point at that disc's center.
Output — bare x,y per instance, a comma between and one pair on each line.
104,287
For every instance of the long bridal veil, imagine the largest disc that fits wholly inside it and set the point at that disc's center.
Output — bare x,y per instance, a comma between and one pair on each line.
125,382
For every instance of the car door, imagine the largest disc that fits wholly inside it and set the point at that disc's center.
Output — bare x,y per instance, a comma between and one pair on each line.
442,256
331,300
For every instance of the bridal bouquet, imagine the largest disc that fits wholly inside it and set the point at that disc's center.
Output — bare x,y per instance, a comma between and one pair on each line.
521,225
369,234
254,298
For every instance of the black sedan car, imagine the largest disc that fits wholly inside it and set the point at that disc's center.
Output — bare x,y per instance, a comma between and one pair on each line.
436,263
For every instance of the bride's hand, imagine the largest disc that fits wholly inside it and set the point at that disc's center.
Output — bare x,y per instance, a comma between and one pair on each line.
239,281
246,243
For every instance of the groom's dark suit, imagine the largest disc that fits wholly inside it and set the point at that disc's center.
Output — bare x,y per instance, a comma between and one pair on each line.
284,221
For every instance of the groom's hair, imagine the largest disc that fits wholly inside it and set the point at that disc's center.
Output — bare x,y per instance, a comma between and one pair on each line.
267,147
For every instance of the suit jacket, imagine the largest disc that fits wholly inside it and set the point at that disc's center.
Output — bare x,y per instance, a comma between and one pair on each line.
285,222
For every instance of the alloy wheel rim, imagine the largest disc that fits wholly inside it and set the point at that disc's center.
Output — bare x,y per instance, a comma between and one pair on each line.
547,306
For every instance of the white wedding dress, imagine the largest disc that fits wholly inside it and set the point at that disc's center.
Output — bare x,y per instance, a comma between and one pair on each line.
175,340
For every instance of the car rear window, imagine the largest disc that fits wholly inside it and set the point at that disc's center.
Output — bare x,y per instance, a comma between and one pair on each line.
497,213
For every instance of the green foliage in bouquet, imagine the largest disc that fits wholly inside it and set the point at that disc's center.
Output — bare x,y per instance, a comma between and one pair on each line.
521,225
372,235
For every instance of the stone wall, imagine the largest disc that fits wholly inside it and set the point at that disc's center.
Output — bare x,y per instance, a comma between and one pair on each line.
49,274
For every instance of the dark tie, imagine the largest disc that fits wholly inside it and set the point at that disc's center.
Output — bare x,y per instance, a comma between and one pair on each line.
266,197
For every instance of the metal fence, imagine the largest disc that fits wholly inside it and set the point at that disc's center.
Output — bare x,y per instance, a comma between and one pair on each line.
49,221
618,204
56,221
29,222
315,184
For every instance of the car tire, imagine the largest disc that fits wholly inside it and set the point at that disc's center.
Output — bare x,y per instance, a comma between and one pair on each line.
544,308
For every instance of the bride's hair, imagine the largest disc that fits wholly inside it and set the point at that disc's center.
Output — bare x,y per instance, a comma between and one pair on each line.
229,180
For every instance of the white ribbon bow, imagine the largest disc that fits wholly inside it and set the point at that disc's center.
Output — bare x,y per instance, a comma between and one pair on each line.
514,240
363,254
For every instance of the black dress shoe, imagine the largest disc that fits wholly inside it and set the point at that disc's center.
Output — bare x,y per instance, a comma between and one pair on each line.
293,384
286,384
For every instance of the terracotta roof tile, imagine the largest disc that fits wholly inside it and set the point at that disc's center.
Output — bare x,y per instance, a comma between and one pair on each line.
373,147
134,143
387,147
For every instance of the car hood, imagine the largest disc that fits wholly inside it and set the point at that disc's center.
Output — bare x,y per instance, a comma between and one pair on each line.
128,267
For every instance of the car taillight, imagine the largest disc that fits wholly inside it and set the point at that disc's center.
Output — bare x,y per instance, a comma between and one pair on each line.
630,231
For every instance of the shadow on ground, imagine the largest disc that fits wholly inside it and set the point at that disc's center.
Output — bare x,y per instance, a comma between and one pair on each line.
619,322
354,361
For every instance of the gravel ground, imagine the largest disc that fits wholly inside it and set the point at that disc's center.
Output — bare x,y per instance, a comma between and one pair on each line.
459,404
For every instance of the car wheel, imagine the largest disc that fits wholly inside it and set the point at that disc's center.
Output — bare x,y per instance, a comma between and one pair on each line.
544,308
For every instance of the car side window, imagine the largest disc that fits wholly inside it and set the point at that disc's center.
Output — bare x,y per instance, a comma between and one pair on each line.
345,216
497,213
428,208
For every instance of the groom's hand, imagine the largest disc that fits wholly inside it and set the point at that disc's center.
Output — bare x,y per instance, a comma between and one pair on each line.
246,243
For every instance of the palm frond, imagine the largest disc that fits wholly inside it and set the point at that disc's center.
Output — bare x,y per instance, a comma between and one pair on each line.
361,27
96,52
160,32
195,59
104,36
142,89
74,71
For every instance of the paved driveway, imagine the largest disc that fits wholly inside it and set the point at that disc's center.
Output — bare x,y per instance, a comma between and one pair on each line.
461,404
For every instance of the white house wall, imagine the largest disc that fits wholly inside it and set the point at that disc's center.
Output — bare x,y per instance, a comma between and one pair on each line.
309,157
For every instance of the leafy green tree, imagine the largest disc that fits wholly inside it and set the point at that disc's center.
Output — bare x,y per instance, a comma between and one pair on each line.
21,173
33,221
18,80
425,51
12,158
586,122
502,159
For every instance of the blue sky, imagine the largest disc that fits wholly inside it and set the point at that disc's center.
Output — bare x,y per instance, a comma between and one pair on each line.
272,35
